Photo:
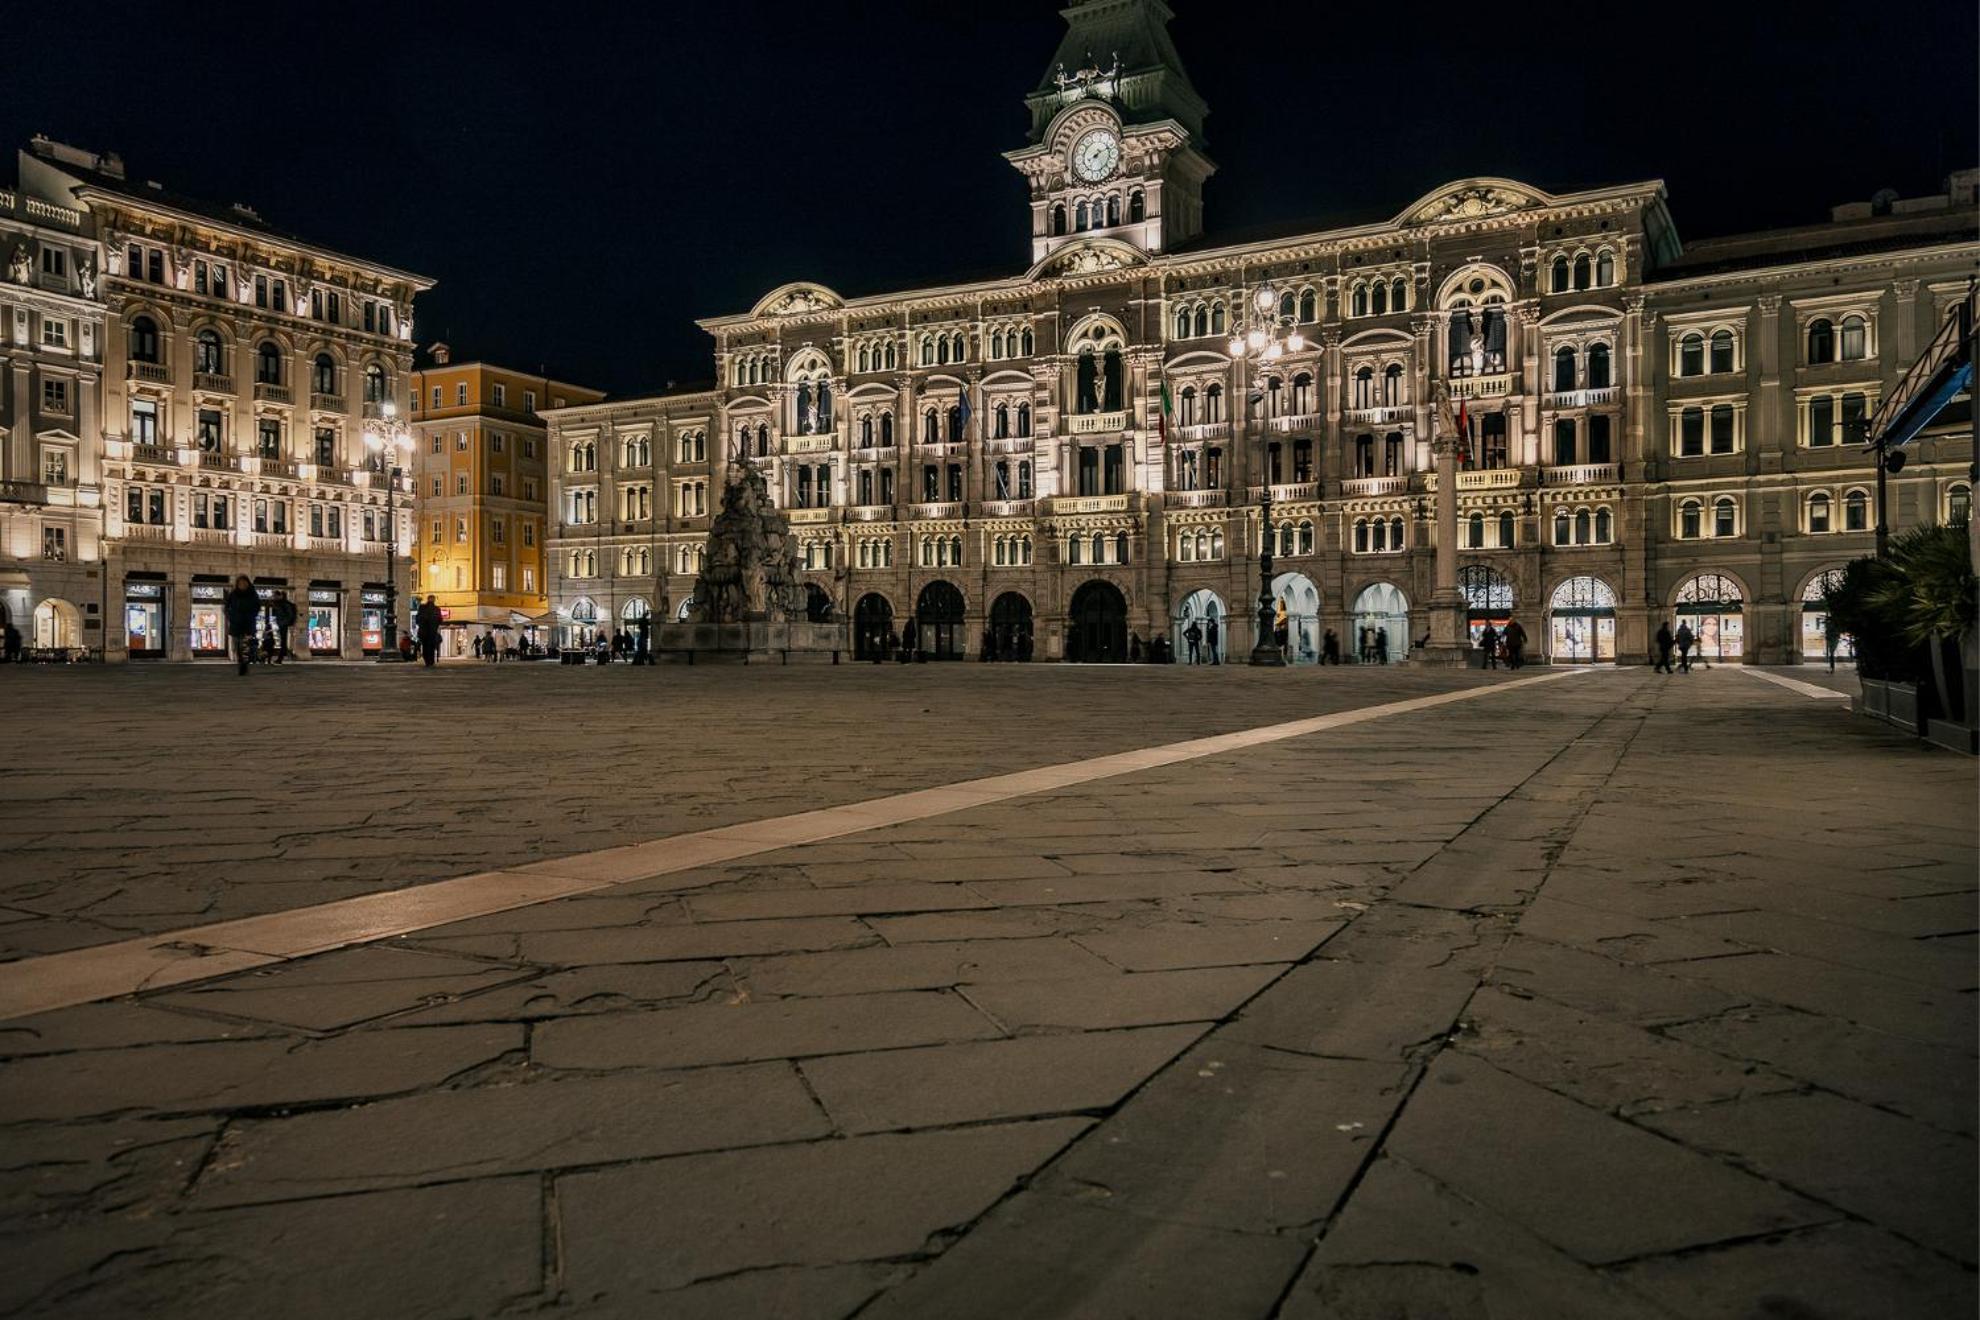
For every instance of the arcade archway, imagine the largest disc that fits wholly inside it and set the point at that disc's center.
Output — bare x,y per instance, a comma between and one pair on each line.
1380,623
1581,622
873,620
1205,609
1302,600
938,618
1097,626
1010,627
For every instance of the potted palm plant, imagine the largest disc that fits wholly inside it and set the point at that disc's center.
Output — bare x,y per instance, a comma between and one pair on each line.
1911,615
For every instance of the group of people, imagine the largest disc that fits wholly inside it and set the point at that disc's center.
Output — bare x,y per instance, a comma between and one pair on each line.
1681,641
259,630
1505,645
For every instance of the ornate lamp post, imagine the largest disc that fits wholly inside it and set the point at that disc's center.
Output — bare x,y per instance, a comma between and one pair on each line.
390,441
1265,336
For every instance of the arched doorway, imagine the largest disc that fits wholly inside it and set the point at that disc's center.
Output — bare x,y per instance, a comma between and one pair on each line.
1713,605
1302,600
1203,608
1010,627
57,624
1815,620
1380,623
817,604
1097,625
582,630
686,611
1581,622
873,619
938,617
1488,598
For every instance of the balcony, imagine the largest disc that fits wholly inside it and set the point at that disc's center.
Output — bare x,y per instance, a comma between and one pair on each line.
219,463
23,492
1097,423
1492,479
1204,431
1385,415
943,509
1581,398
1586,474
330,403
271,540
152,454
1090,504
870,513
1195,499
269,392
1494,386
810,444
1289,493
212,536
152,373
146,532
1295,422
940,449
1007,508
1008,444
800,517
212,382
1363,487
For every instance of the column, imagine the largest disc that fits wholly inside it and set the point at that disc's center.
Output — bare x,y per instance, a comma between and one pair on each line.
1450,644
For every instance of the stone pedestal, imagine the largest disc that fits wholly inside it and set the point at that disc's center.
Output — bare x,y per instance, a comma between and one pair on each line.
752,642
1450,633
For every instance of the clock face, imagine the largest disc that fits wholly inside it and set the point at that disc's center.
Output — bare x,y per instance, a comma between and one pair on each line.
1096,155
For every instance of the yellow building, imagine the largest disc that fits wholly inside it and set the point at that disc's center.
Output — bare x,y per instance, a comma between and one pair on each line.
480,486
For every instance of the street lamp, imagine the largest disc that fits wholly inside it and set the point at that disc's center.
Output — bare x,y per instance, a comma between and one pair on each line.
390,441
1266,335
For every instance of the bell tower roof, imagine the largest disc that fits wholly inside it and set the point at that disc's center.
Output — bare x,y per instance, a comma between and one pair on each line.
1118,50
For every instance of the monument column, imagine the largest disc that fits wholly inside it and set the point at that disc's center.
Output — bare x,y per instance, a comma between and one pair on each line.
1450,644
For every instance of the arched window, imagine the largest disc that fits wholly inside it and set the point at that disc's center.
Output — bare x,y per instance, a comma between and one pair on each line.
1378,536
955,422
1959,502
1058,218
1028,342
1186,546
1598,366
1120,547
1691,355
1213,403
1364,388
1604,526
891,357
1562,525
927,350
1024,419
866,432
1474,538
323,371
1182,323
1392,386
1137,207
1305,537
1856,509
1581,271
1855,339
1080,217
1302,394
1202,320
1690,520
886,430
1003,427
1099,548
1557,280
1288,306
1361,536
268,364
374,383
941,348
1309,306
1399,294
1564,369
865,358
930,432
1722,351
1358,301
1725,516
1113,210
1378,299
1581,525
1818,512
1505,529
207,356
1217,318
1605,269
1395,533
1821,342
144,340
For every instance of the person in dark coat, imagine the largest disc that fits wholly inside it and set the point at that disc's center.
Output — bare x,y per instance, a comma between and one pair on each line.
1211,640
1488,643
242,606
1194,636
1685,637
1381,646
426,620
1330,648
284,614
1515,640
12,644
1664,644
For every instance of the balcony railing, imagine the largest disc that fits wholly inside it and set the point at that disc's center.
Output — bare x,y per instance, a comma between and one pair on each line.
152,454
1496,385
23,492
1586,474
330,403
1384,415
1292,422
802,516
1361,487
146,532
328,544
271,540
1097,423
1581,398
1490,479
809,444
212,382
219,462
1204,431
1008,444
1007,508
212,536
269,392
1090,504
940,509
154,373
940,448
870,512
1194,499
1284,492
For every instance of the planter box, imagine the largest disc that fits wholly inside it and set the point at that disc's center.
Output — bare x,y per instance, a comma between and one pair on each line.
1896,704
1953,737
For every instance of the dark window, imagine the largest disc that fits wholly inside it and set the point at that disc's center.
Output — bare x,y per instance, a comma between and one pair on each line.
1691,355
1821,342
144,340
1691,433
1564,442
1598,366
1722,351
1722,428
1598,438
268,364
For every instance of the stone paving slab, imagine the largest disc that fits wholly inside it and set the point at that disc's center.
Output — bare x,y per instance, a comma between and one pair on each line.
1538,1004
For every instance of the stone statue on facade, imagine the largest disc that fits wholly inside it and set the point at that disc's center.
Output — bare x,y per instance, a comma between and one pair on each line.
751,571
86,277
19,269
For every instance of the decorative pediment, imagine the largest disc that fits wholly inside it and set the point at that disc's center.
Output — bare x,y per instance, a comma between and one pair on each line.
797,300
1095,257
1473,199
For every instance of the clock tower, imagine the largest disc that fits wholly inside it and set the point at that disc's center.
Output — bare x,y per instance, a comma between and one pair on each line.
1116,141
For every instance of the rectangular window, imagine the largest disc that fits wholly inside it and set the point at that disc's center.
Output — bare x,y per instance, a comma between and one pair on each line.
1691,433
1855,418
316,520
1722,428
336,520
199,518
55,543
495,484
209,430
438,535
281,296
436,396
460,483
144,422
1598,438
55,396
495,531
460,394
498,576
439,443
371,317
495,442
270,432
54,467
501,395
279,516
529,447
529,400
54,332
460,442
529,533
261,291
155,507
1822,421
326,447
529,579
199,277
54,262
155,265
460,531
261,515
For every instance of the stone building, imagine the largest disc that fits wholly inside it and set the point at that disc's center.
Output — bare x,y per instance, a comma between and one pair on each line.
51,479
480,485
1654,431
241,367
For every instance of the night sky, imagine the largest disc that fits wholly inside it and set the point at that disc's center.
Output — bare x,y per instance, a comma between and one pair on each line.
585,180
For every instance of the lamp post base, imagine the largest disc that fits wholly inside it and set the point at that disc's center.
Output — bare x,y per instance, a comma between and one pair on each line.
1267,656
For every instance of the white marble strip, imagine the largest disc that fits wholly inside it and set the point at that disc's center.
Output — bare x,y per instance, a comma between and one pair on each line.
105,971
1796,685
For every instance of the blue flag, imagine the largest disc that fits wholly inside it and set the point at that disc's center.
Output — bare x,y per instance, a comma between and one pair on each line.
962,409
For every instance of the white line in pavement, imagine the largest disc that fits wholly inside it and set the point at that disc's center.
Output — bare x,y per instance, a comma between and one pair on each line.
105,971
1796,685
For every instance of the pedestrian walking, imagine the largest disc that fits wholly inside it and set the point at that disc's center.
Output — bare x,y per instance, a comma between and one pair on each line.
1134,647
1381,646
1665,644
426,620
1831,635
1515,639
284,612
477,646
1193,638
1330,648
1366,651
242,607
10,647
1684,640
1488,642
1212,639
1281,627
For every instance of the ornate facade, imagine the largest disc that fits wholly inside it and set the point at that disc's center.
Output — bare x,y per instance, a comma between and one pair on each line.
238,369
1051,463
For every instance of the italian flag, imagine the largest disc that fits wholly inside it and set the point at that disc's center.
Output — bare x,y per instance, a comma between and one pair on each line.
1168,410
